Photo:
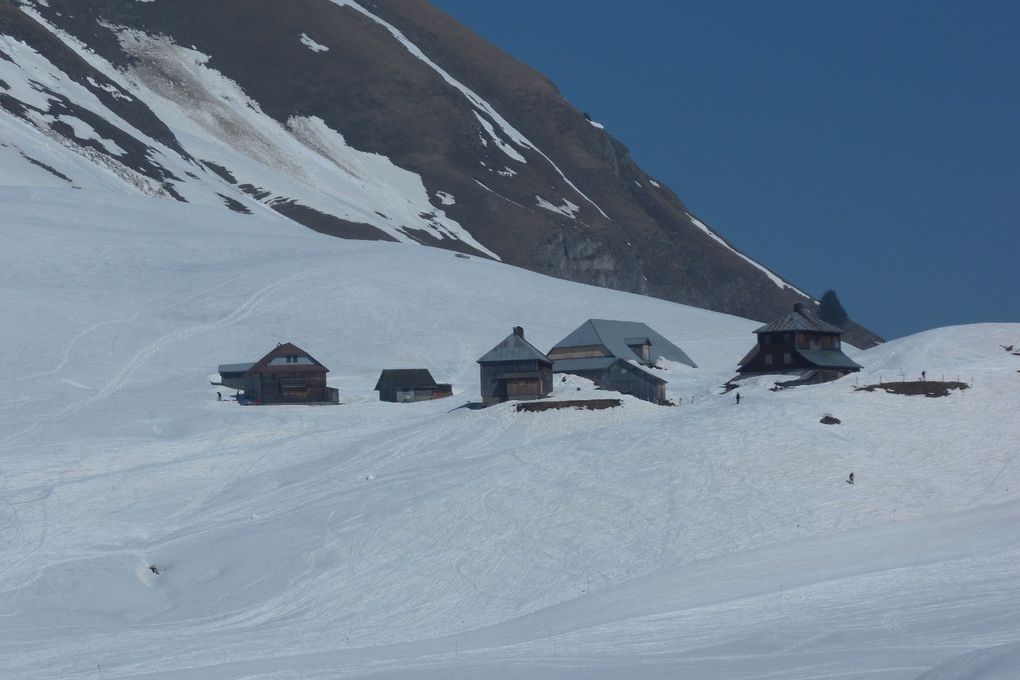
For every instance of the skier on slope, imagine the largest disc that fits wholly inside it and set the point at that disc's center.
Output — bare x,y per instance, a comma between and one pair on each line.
850,479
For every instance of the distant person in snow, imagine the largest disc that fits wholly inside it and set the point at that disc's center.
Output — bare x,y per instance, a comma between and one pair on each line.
219,397
850,479
738,397
924,375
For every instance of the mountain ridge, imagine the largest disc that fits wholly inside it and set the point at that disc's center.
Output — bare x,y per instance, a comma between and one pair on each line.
507,167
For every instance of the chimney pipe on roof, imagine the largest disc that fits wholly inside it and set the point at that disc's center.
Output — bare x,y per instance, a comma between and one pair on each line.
798,307
519,332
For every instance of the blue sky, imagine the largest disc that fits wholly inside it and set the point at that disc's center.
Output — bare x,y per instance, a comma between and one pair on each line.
868,147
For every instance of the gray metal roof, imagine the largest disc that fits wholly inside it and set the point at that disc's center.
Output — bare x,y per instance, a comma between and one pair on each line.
614,336
799,320
405,378
235,368
637,367
513,348
586,364
828,358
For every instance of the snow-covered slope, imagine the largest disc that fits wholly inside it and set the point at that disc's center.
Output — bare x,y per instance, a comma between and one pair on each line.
433,540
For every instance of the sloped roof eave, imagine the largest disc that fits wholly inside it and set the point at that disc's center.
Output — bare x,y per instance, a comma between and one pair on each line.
513,348
282,350
405,378
829,359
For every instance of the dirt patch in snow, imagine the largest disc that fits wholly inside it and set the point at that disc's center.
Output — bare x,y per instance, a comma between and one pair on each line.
927,388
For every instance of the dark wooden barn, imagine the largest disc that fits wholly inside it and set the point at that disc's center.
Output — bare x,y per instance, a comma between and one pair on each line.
614,355
288,375
801,345
410,384
514,369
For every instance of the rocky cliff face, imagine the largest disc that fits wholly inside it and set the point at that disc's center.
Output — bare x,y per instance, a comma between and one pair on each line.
380,120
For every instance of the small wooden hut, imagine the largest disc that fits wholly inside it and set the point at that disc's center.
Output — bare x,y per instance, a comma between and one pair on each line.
514,369
410,384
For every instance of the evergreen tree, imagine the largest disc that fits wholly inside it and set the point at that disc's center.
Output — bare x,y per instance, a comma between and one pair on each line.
830,310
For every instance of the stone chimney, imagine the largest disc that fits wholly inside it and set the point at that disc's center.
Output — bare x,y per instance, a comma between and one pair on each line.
519,332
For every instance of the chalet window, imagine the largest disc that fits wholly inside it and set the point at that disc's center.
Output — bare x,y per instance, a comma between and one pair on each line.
787,338
766,338
787,359
768,359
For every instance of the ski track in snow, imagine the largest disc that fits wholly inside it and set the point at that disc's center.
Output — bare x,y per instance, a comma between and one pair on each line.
127,371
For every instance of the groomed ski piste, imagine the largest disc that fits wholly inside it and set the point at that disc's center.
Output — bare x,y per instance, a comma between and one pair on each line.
435,540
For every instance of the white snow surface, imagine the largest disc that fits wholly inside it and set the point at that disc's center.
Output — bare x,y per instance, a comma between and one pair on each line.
433,540
567,209
312,45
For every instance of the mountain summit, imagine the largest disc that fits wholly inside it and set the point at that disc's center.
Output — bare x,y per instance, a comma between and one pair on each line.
375,120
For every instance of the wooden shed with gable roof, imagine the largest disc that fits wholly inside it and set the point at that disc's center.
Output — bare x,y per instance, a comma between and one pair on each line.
514,369
288,375
410,384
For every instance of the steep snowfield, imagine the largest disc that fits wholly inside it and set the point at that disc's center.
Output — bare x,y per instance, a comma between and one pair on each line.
433,540
304,161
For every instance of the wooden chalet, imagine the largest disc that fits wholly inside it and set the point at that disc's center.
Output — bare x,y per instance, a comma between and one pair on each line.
616,355
410,384
514,369
286,375
801,345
